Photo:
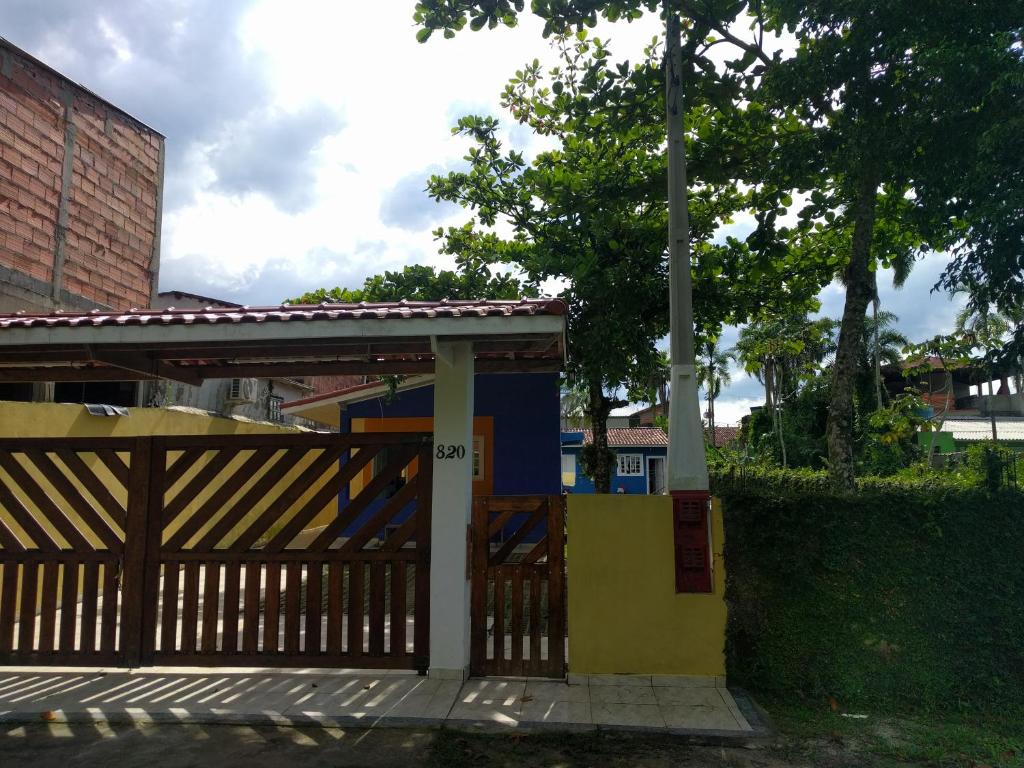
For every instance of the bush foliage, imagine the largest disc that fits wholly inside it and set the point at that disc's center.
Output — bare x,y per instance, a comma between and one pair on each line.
908,594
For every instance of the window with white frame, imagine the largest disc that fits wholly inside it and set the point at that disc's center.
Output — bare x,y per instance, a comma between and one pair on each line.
630,465
568,470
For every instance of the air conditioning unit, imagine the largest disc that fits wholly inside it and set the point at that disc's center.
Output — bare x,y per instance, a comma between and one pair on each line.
243,391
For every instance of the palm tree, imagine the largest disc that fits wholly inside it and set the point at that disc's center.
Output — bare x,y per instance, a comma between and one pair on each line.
988,330
883,344
574,407
902,264
712,375
758,351
782,352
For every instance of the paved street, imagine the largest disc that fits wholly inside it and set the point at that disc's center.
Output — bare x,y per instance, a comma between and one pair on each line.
61,745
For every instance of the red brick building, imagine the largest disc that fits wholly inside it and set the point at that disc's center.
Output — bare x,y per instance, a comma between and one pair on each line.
80,194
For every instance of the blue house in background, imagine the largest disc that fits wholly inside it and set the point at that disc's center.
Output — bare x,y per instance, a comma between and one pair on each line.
640,453
516,421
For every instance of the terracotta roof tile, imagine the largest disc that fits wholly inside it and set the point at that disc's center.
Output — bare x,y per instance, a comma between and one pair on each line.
725,435
288,313
638,437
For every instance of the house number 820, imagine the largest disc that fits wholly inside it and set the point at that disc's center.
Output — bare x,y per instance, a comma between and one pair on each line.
450,451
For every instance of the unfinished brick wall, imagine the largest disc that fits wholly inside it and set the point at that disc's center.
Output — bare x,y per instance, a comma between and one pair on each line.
111,194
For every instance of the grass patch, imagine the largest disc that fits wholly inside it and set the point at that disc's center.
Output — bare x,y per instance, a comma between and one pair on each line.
819,735
811,737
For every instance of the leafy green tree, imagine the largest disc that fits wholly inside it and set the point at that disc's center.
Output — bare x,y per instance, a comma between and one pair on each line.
473,279
591,215
592,212
985,194
889,92
889,444
654,389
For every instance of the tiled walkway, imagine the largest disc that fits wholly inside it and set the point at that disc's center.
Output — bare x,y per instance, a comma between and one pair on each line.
369,699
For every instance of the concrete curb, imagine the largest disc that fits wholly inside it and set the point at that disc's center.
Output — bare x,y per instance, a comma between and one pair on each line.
128,717
759,720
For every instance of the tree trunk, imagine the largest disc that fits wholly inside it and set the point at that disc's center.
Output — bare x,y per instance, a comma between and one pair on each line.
878,361
780,378
782,439
859,292
711,417
598,410
945,407
991,409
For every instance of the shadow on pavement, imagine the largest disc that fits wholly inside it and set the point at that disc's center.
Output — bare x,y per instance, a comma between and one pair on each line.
68,745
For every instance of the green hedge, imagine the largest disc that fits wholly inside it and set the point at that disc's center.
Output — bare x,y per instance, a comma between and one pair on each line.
902,596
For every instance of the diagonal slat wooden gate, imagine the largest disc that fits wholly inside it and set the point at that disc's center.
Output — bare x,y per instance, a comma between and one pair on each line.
64,507
245,574
518,606
216,550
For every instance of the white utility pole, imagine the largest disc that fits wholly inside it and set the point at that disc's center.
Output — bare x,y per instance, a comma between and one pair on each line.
687,464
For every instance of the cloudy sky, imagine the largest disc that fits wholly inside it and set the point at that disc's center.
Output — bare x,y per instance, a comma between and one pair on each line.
300,134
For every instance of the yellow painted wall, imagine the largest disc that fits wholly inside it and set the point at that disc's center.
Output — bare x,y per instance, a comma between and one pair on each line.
624,614
70,420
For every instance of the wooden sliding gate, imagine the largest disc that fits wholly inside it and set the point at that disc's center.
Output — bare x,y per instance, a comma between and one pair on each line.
518,608
216,550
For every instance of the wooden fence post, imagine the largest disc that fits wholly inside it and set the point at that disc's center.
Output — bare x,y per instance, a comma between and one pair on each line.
157,458
133,573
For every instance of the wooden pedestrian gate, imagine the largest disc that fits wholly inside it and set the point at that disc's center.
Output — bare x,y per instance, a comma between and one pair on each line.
518,607
216,550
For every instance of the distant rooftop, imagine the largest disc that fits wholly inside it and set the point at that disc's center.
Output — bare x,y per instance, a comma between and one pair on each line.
202,301
636,437
968,428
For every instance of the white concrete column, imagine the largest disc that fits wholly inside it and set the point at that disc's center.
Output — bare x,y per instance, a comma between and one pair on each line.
451,507
687,464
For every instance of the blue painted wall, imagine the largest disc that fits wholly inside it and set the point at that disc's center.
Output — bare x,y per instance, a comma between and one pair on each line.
526,449
629,483
525,409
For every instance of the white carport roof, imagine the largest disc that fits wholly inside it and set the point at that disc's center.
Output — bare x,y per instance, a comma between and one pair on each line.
192,345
